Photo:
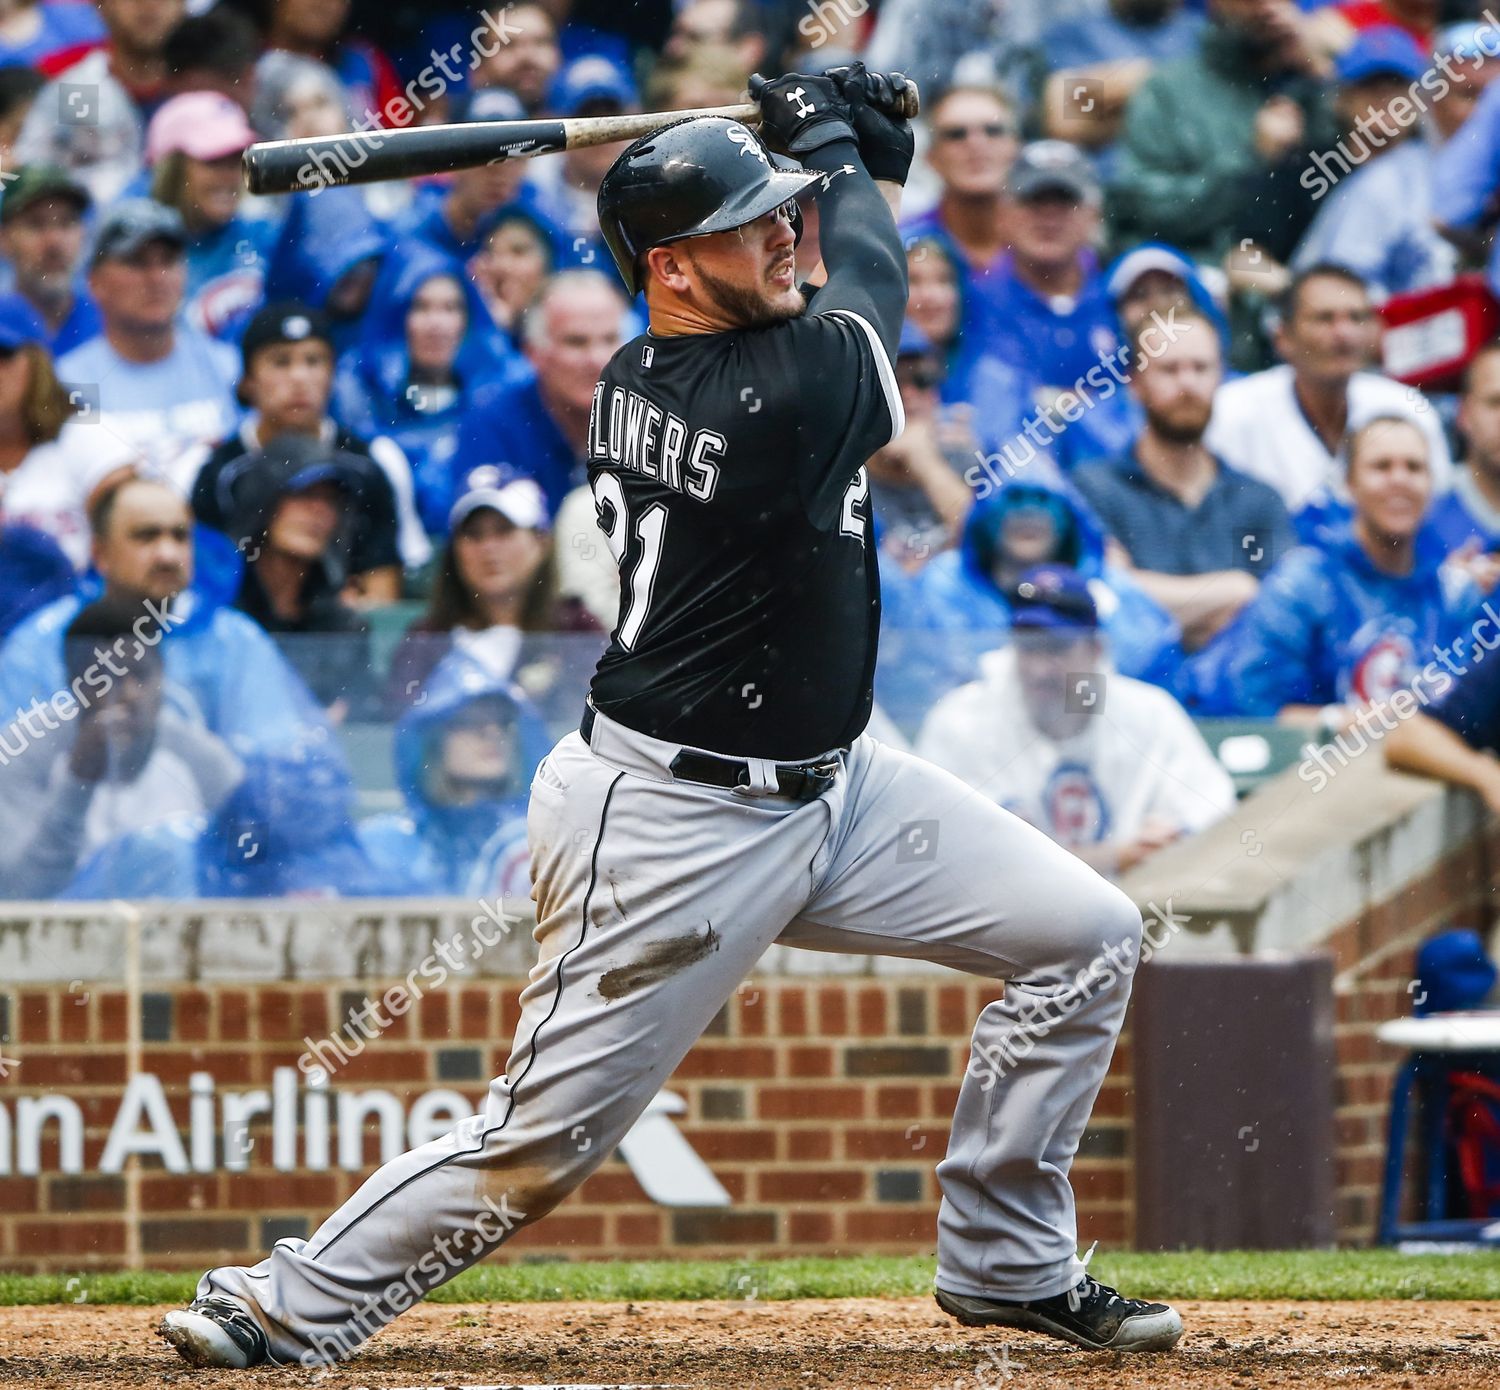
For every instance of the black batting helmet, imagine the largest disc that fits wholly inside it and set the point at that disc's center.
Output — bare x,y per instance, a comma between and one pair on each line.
698,175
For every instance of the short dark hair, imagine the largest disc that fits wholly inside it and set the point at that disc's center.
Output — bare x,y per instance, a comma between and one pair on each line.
220,40
111,625
106,497
1291,297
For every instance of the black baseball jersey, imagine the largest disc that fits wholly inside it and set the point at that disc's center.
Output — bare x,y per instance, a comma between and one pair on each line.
728,473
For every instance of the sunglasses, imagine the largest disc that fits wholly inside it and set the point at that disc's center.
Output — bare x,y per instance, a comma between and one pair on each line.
921,375
952,134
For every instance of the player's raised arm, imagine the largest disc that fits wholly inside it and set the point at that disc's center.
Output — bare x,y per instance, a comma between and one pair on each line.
815,120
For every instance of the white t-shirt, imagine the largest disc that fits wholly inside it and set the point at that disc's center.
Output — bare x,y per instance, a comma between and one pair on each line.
1139,756
1259,428
156,414
48,490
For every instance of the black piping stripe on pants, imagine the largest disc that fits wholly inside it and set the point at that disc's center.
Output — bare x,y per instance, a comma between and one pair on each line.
536,1034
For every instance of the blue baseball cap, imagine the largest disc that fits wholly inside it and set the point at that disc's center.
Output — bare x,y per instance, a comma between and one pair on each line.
1054,597
592,79
1381,51
19,323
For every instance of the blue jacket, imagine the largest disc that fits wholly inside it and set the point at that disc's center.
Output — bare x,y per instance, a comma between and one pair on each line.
432,847
226,275
288,827
33,572
509,425
372,392
1328,627
954,595
323,236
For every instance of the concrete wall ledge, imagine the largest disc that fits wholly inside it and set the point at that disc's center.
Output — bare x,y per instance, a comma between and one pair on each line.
1287,867
1300,858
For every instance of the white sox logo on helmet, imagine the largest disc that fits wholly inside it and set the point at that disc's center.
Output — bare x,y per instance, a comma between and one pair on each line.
741,136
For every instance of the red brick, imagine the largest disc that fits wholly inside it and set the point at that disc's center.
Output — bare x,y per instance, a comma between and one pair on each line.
175,1065
89,1236
20,1194
710,1060
810,1228
71,1194
1095,1183
833,1011
953,1015
112,1016
741,1143
754,1008
399,1026
890,1227
192,1010
643,1229
811,1102
266,1192
432,1016
942,1099
75,1022
606,1187
273,1013
380,1063
1112,1103
234,1015
561,1231
72,1069
510,1011
809,1061
476,1014
312,1014
176,1192
810,1185
894,1142
872,1013
1107,1224
898,1102
791,1005
806,1144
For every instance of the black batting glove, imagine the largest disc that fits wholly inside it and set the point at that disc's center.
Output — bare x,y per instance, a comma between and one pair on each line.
886,142
801,114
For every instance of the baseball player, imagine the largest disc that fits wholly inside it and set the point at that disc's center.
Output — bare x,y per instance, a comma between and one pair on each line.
721,794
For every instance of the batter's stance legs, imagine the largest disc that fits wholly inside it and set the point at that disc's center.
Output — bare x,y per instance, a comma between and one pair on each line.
655,900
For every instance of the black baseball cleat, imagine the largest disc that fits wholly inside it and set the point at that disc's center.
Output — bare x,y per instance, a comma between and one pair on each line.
215,1332
1090,1315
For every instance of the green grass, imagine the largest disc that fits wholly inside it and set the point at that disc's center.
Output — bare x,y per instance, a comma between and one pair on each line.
1299,1274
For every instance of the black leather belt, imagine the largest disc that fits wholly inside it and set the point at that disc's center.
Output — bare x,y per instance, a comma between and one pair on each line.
794,781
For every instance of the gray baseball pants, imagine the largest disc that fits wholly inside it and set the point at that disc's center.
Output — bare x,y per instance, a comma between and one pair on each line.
655,898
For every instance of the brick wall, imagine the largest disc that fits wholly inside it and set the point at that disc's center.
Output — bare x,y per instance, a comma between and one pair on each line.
822,1106
1374,957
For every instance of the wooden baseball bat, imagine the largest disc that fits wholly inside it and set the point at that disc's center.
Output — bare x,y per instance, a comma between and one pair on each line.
371,156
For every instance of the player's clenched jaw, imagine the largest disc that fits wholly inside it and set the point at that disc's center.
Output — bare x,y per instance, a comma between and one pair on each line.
743,278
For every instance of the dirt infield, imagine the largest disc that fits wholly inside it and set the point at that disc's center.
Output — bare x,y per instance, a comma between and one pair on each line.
898,1344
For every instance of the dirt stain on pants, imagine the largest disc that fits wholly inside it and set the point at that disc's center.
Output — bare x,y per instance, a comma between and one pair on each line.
657,961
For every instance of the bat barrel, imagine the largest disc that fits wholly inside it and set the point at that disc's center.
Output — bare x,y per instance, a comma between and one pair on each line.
371,156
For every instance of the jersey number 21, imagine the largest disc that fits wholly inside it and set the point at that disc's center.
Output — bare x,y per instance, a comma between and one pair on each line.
650,528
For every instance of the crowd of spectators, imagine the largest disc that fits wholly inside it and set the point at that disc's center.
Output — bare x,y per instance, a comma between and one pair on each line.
1202,419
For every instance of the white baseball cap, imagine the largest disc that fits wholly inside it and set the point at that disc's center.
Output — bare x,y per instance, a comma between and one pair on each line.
520,501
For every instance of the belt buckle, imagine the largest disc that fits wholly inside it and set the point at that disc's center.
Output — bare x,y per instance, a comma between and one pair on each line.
820,776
